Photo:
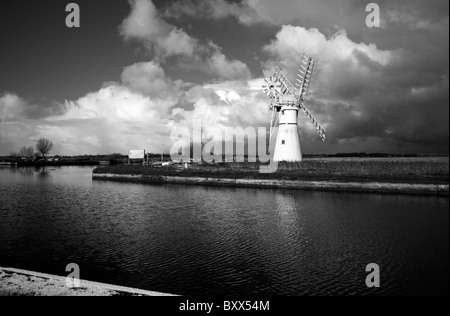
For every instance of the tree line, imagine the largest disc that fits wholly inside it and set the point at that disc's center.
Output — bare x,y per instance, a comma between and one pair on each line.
43,147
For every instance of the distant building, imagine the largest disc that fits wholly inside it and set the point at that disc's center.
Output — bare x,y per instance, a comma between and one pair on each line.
137,157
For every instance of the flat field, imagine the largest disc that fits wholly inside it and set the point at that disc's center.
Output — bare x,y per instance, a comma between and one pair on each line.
433,170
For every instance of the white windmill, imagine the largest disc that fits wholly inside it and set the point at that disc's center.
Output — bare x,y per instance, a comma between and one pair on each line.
285,102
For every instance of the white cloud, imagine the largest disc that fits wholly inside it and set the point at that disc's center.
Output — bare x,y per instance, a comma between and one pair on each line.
14,107
225,104
113,119
144,23
359,91
345,73
343,68
114,104
177,42
165,40
116,118
11,107
149,78
135,112
292,41
219,64
351,92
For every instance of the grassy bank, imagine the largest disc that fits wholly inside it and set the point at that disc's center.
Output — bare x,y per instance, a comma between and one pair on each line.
15,282
384,170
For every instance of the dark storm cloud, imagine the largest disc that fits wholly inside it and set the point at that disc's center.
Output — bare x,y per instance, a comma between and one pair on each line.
324,15
405,102
412,113
398,101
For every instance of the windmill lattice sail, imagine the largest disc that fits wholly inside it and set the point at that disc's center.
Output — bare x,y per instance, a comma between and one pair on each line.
304,76
286,101
319,129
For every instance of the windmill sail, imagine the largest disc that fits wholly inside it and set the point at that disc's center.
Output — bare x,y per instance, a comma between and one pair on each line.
320,130
304,76
286,85
285,102
274,122
302,83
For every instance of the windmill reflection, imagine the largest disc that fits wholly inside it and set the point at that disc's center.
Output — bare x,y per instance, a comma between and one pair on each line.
288,211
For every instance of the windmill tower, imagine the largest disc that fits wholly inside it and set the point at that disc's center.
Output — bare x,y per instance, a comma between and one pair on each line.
285,103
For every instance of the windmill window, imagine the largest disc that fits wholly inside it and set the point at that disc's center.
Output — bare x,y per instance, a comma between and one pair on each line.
283,142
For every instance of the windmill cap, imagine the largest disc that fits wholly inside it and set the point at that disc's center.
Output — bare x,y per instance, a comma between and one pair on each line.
289,98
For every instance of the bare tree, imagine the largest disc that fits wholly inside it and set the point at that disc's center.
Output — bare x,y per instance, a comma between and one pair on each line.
27,152
44,146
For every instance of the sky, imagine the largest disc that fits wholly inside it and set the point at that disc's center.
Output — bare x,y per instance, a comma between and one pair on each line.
135,69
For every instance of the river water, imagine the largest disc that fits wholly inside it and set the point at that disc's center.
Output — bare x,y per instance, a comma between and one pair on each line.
196,240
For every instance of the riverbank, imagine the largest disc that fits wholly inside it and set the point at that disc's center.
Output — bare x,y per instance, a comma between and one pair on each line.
15,282
38,164
61,161
57,163
406,176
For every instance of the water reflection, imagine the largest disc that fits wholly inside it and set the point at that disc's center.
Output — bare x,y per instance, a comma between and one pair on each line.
25,171
42,172
220,241
287,209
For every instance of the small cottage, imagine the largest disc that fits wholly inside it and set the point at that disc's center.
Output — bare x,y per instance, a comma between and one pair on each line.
137,157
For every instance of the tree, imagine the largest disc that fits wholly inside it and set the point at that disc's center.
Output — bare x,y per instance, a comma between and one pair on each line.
26,152
44,146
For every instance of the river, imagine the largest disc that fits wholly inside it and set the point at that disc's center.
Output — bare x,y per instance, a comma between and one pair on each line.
196,240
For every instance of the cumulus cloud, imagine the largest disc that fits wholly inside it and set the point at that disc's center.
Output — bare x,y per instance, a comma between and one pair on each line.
345,68
129,114
222,109
13,107
364,94
146,24
369,97
137,112
114,104
352,91
219,64
149,79
225,104
115,118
